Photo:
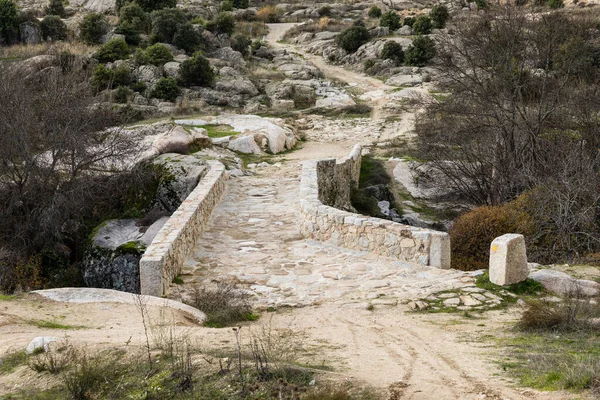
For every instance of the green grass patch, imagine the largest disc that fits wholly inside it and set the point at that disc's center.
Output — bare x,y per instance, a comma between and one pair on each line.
6,297
177,280
12,360
528,287
353,111
218,130
45,324
550,361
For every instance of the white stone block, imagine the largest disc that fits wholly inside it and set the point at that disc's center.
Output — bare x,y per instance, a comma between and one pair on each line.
508,260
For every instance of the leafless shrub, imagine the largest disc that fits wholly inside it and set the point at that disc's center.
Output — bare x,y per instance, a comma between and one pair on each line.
574,313
57,357
223,303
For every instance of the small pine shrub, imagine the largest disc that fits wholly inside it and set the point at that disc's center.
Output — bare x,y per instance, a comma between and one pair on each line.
226,5
55,7
114,49
242,44
555,4
187,38
133,14
196,71
131,34
374,12
352,38
408,21
9,22
422,25
325,11
240,4
157,54
369,63
393,51
223,23
439,16
165,23
420,52
391,20
153,5
104,78
482,4
93,27
122,94
53,28
166,89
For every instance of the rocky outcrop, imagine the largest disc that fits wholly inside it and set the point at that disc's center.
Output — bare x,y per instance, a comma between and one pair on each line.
165,138
179,175
113,259
563,284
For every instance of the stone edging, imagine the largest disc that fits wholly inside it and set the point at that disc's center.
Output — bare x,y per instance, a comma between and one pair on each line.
173,244
326,184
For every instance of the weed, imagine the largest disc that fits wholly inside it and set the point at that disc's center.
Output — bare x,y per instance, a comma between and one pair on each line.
224,304
12,360
528,287
177,280
45,324
54,360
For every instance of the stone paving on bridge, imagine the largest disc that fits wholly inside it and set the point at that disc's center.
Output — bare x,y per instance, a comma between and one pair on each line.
253,239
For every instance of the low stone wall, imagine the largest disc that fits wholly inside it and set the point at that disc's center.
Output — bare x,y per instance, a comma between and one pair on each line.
173,244
325,187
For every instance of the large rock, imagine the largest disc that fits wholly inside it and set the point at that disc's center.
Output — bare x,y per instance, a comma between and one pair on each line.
113,259
179,175
244,144
40,344
174,140
171,68
564,284
231,57
239,86
508,260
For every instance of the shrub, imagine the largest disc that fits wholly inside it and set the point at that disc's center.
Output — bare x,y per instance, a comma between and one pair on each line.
223,304
9,21
473,232
352,38
53,28
392,51
267,14
325,11
114,49
133,14
240,3
129,31
242,44
187,38
56,7
368,63
482,4
196,71
153,5
420,52
374,12
157,54
439,15
165,23
166,89
93,27
575,312
422,25
408,21
226,5
104,78
223,23
555,4
391,20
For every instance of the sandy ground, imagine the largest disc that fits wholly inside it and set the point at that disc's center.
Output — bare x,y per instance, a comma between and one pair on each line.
421,356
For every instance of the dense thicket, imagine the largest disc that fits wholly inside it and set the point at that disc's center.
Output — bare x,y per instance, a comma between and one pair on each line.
521,119
61,173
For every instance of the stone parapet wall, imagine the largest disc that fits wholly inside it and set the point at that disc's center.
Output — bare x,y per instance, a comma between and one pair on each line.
173,244
325,187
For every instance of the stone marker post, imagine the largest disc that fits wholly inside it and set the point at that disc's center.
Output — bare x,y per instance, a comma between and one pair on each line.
508,260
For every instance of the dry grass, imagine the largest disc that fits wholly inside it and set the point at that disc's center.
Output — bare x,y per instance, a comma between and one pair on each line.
324,24
224,303
23,51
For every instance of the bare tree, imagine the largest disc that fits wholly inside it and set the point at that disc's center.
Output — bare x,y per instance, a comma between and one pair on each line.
59,162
